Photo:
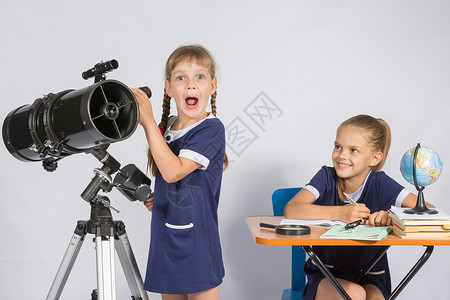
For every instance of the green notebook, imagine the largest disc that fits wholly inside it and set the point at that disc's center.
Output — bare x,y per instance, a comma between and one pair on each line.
363,233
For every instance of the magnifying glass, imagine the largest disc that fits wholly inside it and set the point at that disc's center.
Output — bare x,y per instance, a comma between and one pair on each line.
288,229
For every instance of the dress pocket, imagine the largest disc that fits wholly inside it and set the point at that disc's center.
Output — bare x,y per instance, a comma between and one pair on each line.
179,240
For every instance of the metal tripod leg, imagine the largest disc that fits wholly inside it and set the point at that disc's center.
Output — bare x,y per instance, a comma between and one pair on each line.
129,265
106,279
68,260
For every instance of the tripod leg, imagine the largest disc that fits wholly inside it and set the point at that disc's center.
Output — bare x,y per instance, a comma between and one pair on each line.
106,281
68,260
129,265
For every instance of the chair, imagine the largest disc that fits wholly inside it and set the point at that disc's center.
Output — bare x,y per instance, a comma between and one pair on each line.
280,198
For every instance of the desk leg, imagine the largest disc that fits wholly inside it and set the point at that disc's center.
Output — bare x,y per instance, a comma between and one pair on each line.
422,260
326,272
372,263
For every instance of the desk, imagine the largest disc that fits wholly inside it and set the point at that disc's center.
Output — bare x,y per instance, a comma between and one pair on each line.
265,236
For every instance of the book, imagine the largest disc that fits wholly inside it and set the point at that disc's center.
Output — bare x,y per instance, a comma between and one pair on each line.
399,217
323,223
420,234
415,228
362,233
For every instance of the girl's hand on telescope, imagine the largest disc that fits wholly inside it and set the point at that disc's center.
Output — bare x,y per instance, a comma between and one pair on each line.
149,203
145,106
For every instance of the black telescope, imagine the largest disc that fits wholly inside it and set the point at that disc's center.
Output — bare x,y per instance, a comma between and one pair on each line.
81,121
73,121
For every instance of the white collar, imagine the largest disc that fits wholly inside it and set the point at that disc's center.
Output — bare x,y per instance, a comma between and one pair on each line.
172,135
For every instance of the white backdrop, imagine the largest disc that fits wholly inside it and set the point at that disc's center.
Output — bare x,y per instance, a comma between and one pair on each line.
289,73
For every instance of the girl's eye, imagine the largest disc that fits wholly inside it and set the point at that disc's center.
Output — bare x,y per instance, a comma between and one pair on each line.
336,147
200,76
354,151
180,78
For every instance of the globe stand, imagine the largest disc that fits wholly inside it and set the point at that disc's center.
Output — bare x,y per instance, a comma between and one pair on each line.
420,208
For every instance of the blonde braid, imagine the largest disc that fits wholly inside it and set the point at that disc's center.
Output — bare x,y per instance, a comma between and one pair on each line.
213,104
162,126
214,112
166,111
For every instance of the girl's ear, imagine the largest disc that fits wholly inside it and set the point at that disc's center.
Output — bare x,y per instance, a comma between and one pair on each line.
167,87
376,158
213,86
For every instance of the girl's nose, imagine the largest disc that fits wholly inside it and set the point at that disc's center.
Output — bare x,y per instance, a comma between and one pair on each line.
191,85
343,155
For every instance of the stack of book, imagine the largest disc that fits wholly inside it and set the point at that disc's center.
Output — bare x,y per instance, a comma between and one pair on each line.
423,226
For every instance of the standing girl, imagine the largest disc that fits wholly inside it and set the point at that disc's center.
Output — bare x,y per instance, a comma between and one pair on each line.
360,150
186,156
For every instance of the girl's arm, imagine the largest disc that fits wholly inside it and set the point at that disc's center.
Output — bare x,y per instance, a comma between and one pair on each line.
301,207
171,167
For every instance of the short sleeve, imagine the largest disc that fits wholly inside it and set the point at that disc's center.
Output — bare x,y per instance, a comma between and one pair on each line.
204,142
321,182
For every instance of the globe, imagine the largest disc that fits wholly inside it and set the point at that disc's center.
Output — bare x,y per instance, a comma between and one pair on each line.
429,166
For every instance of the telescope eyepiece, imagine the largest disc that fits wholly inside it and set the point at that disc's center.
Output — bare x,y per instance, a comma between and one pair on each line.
146,90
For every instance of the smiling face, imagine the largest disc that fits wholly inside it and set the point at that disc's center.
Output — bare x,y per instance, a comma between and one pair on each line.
191,85
353,156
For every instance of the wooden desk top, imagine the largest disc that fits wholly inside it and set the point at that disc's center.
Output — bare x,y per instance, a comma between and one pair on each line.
269,237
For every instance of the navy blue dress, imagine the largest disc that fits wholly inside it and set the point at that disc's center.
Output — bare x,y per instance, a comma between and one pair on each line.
185,254
380,193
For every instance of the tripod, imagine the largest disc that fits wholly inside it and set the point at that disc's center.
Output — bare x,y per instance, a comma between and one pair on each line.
110,236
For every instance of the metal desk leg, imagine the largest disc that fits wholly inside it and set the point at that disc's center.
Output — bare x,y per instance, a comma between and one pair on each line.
372,263
326,272
422,260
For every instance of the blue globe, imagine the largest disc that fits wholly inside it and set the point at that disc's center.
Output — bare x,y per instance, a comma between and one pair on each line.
429,166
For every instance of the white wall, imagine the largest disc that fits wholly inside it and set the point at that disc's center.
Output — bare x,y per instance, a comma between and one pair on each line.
313,63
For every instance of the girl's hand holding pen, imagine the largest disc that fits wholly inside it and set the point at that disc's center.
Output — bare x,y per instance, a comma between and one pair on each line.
356,213
351,213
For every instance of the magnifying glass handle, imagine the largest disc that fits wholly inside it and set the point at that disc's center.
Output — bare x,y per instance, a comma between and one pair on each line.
267,225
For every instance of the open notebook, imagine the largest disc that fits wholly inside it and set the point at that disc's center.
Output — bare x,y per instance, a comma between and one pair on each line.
337,230
362,233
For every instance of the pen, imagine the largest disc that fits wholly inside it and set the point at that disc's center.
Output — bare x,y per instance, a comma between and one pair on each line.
350,199
354,224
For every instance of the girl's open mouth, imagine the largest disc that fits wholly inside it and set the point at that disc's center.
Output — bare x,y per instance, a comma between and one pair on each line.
191,102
